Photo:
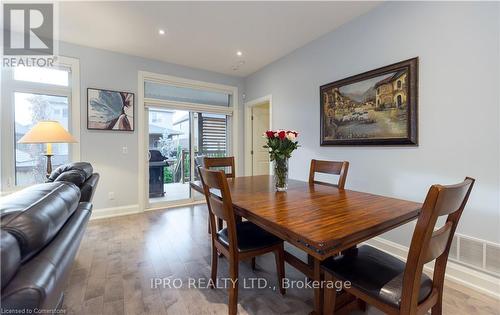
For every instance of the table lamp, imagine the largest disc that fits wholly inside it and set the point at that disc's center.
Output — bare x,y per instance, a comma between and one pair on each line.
48,132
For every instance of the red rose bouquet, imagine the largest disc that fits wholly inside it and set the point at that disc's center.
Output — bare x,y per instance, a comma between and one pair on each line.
281,144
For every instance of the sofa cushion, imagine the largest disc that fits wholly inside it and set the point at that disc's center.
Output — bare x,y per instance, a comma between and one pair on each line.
35,215
10,256
76,177
83,167
40,281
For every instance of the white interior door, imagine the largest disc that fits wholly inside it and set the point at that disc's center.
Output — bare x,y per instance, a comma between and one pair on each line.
260,123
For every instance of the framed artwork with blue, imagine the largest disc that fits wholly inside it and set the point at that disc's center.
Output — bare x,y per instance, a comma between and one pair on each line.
110,110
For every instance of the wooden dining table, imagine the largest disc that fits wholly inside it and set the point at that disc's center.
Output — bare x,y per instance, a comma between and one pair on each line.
321,220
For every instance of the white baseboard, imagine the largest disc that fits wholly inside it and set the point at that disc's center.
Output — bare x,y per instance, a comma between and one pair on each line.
473,279
114,212
174,205
133,209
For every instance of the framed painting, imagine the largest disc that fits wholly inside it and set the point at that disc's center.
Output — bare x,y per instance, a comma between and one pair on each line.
378,107
110,110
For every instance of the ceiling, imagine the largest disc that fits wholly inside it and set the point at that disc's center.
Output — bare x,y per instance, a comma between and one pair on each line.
204,35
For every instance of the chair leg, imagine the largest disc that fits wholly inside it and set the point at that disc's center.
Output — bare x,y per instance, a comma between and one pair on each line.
233,287
209,225
362,305
215,258
279,255
253,263
329,296
437,309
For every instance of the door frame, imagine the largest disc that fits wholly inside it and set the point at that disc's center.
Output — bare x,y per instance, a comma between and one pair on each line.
143,122
248,129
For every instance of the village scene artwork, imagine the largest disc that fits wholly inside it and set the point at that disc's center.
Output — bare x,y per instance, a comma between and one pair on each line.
371,108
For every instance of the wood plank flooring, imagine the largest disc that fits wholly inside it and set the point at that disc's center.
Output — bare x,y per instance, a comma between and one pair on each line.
121,257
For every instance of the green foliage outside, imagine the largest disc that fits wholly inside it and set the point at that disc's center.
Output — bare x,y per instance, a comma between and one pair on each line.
187,167
167,175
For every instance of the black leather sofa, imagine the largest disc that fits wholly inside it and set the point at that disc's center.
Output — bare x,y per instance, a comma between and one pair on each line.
41,230
79,173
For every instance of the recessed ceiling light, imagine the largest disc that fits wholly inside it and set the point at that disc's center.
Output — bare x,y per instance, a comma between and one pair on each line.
161,31
239,53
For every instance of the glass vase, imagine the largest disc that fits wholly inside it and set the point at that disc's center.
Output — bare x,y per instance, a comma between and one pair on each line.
281,174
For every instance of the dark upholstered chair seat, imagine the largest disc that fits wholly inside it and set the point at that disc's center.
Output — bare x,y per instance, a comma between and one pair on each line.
374,272
250,237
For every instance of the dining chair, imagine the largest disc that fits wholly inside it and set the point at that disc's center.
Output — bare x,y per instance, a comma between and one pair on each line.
388,283
238,241
220,163
329,167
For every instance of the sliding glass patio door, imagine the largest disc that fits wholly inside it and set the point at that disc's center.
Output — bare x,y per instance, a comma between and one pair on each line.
169,155
183,126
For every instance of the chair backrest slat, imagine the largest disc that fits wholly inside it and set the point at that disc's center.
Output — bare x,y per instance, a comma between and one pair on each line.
329,167
427,244
438,242
217,207
450,198
221,162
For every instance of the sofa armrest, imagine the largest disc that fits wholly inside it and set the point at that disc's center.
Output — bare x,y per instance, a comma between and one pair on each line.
88,188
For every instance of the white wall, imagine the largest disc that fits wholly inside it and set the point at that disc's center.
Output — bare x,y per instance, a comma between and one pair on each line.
114,71
458,47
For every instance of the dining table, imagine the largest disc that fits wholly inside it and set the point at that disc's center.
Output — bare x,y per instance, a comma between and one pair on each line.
321,220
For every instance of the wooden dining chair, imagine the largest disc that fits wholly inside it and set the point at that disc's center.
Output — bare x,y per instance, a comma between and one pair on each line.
329,167
220,162
238,241
223,163
388,283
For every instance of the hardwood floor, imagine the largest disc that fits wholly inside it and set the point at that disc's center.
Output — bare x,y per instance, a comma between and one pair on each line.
120,259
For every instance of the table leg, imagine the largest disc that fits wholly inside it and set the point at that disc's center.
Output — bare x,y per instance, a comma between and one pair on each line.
310,260
238,218
310,263
318,292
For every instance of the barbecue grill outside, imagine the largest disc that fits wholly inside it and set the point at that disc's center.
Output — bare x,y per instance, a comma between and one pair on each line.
157,163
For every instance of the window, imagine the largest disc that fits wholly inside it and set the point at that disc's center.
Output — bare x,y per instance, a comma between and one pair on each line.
399,84
34,94
42,75
29,109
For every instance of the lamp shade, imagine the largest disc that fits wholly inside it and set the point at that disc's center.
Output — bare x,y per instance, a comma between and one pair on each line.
47,131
